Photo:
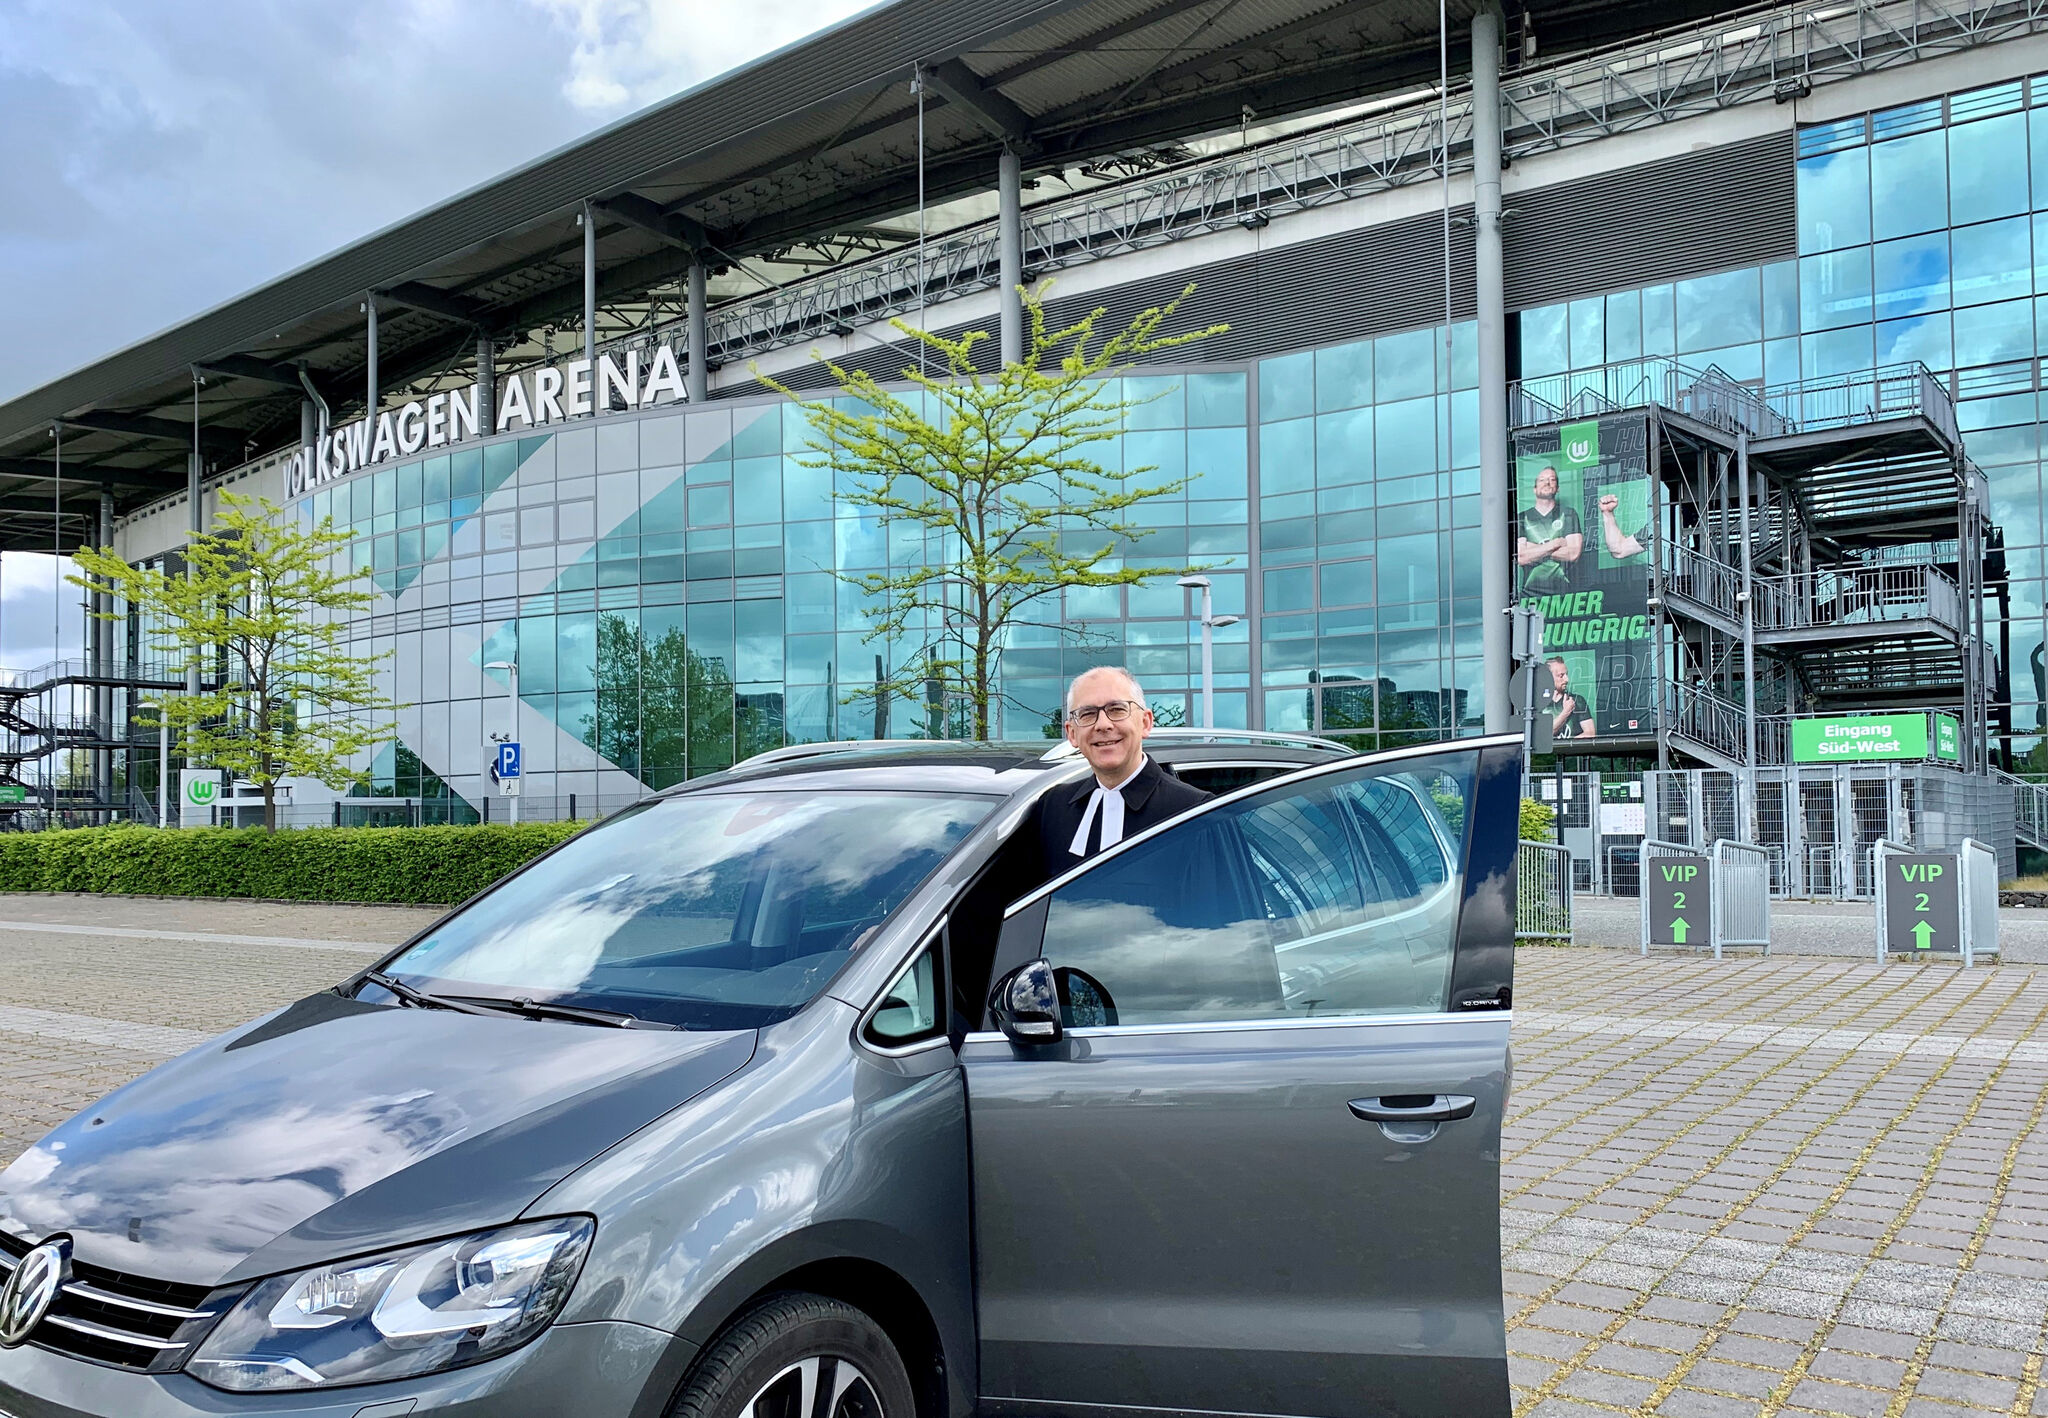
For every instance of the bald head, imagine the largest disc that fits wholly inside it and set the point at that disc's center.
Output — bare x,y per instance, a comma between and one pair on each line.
1110,699
1103,682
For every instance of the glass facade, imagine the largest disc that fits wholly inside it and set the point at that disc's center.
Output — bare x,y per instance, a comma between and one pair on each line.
670,583
1923,237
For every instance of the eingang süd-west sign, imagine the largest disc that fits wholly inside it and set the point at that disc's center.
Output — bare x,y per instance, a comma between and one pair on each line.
529,399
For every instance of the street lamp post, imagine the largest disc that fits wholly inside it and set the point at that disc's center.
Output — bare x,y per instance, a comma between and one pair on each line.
511,667
1210,623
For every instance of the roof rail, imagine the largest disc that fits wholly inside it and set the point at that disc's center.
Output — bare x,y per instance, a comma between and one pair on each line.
1062,751
796,751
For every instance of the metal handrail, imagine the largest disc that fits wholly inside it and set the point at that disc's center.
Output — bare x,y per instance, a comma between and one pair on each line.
1866,396
1858,595
1713,584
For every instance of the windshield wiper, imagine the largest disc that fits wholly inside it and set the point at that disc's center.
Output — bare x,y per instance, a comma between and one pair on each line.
420,999
541,1009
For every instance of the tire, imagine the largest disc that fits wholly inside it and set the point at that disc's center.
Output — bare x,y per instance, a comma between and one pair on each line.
791,1346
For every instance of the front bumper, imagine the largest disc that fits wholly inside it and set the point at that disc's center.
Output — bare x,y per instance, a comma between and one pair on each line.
605,1369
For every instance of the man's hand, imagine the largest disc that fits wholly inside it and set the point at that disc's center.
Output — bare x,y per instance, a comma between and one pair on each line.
1608,502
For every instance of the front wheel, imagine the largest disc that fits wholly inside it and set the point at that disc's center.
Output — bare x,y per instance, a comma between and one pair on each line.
799,1356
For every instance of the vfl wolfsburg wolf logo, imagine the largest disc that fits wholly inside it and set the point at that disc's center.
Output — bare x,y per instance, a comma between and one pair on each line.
202,791
1579,443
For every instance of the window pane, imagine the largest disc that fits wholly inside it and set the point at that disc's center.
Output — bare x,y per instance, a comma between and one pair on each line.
1657,321
1719,310
1346,583
1923,338
1834,200
1624,326
1405,365
1285,386
1993,261
1344,376
1912,275
1589,335
1909,185
1335,897
1989,334
1987,163
1543,341
1288,589
1836,352
910,1010
1781,299
1834,289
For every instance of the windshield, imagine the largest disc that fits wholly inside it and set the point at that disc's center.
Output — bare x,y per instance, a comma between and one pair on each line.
707,911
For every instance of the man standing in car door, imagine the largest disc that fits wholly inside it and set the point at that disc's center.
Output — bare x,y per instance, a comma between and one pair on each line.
1106,719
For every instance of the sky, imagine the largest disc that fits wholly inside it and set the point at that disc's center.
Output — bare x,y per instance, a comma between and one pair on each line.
166,155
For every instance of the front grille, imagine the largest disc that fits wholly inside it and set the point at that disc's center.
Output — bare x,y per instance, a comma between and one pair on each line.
122,1320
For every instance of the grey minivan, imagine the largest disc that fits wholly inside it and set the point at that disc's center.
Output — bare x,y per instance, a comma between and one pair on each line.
799,1092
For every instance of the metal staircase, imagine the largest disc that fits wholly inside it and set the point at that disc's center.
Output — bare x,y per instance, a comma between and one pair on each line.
1818,548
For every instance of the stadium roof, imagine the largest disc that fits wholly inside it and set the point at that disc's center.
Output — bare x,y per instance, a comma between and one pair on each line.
799,158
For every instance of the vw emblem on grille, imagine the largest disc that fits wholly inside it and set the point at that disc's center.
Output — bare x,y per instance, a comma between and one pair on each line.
31,1290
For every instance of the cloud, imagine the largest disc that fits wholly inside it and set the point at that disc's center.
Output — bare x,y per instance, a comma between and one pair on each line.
630,53
179,152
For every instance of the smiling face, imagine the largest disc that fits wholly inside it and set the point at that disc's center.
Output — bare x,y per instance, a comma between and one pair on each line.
1111,747
1546,484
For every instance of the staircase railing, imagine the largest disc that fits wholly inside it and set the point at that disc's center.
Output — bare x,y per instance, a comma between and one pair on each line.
1866,396
1701,579
1860,595
2030,808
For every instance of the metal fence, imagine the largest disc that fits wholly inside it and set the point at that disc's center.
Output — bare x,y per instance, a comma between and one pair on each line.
1543,891
1817,823
1980,899
1741,896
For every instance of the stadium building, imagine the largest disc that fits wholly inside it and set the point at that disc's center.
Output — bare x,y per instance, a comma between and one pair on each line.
1713,333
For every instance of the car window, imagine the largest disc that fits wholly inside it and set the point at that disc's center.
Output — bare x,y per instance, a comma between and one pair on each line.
1221,778
913,1006
709,910
1334,896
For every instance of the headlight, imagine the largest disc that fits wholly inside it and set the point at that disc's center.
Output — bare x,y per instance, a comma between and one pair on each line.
390,1316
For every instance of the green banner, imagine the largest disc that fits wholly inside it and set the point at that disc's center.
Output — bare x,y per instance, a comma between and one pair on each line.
1582,539
13,793
1862,738
1948,738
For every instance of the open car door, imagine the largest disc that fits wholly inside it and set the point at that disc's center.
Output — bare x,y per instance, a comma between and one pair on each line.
1236,1112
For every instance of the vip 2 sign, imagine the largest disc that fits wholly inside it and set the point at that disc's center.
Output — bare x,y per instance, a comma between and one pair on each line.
1680,900
1923,904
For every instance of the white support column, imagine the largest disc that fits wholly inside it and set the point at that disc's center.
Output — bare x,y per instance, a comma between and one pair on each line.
1495,584
1010,248
370,338
699,387
195,524
102,632
590,306
486,386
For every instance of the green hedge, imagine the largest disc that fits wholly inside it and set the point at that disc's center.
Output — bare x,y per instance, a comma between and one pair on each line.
412,866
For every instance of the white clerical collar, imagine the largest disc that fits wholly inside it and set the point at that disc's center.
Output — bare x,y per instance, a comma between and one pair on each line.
1108,801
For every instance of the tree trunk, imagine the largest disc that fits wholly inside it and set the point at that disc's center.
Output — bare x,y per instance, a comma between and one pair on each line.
269,806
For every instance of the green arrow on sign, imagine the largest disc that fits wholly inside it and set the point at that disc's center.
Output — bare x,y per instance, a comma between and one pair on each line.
1923,936
1678,930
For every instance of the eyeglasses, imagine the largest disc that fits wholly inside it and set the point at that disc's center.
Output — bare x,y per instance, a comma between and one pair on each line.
1116,711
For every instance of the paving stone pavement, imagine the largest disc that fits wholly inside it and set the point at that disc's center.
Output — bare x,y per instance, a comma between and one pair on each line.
1788,1186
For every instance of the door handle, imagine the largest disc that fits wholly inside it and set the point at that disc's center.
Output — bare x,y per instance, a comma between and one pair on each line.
1413,1108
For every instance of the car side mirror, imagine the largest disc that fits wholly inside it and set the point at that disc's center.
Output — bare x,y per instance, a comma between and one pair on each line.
1026,1005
